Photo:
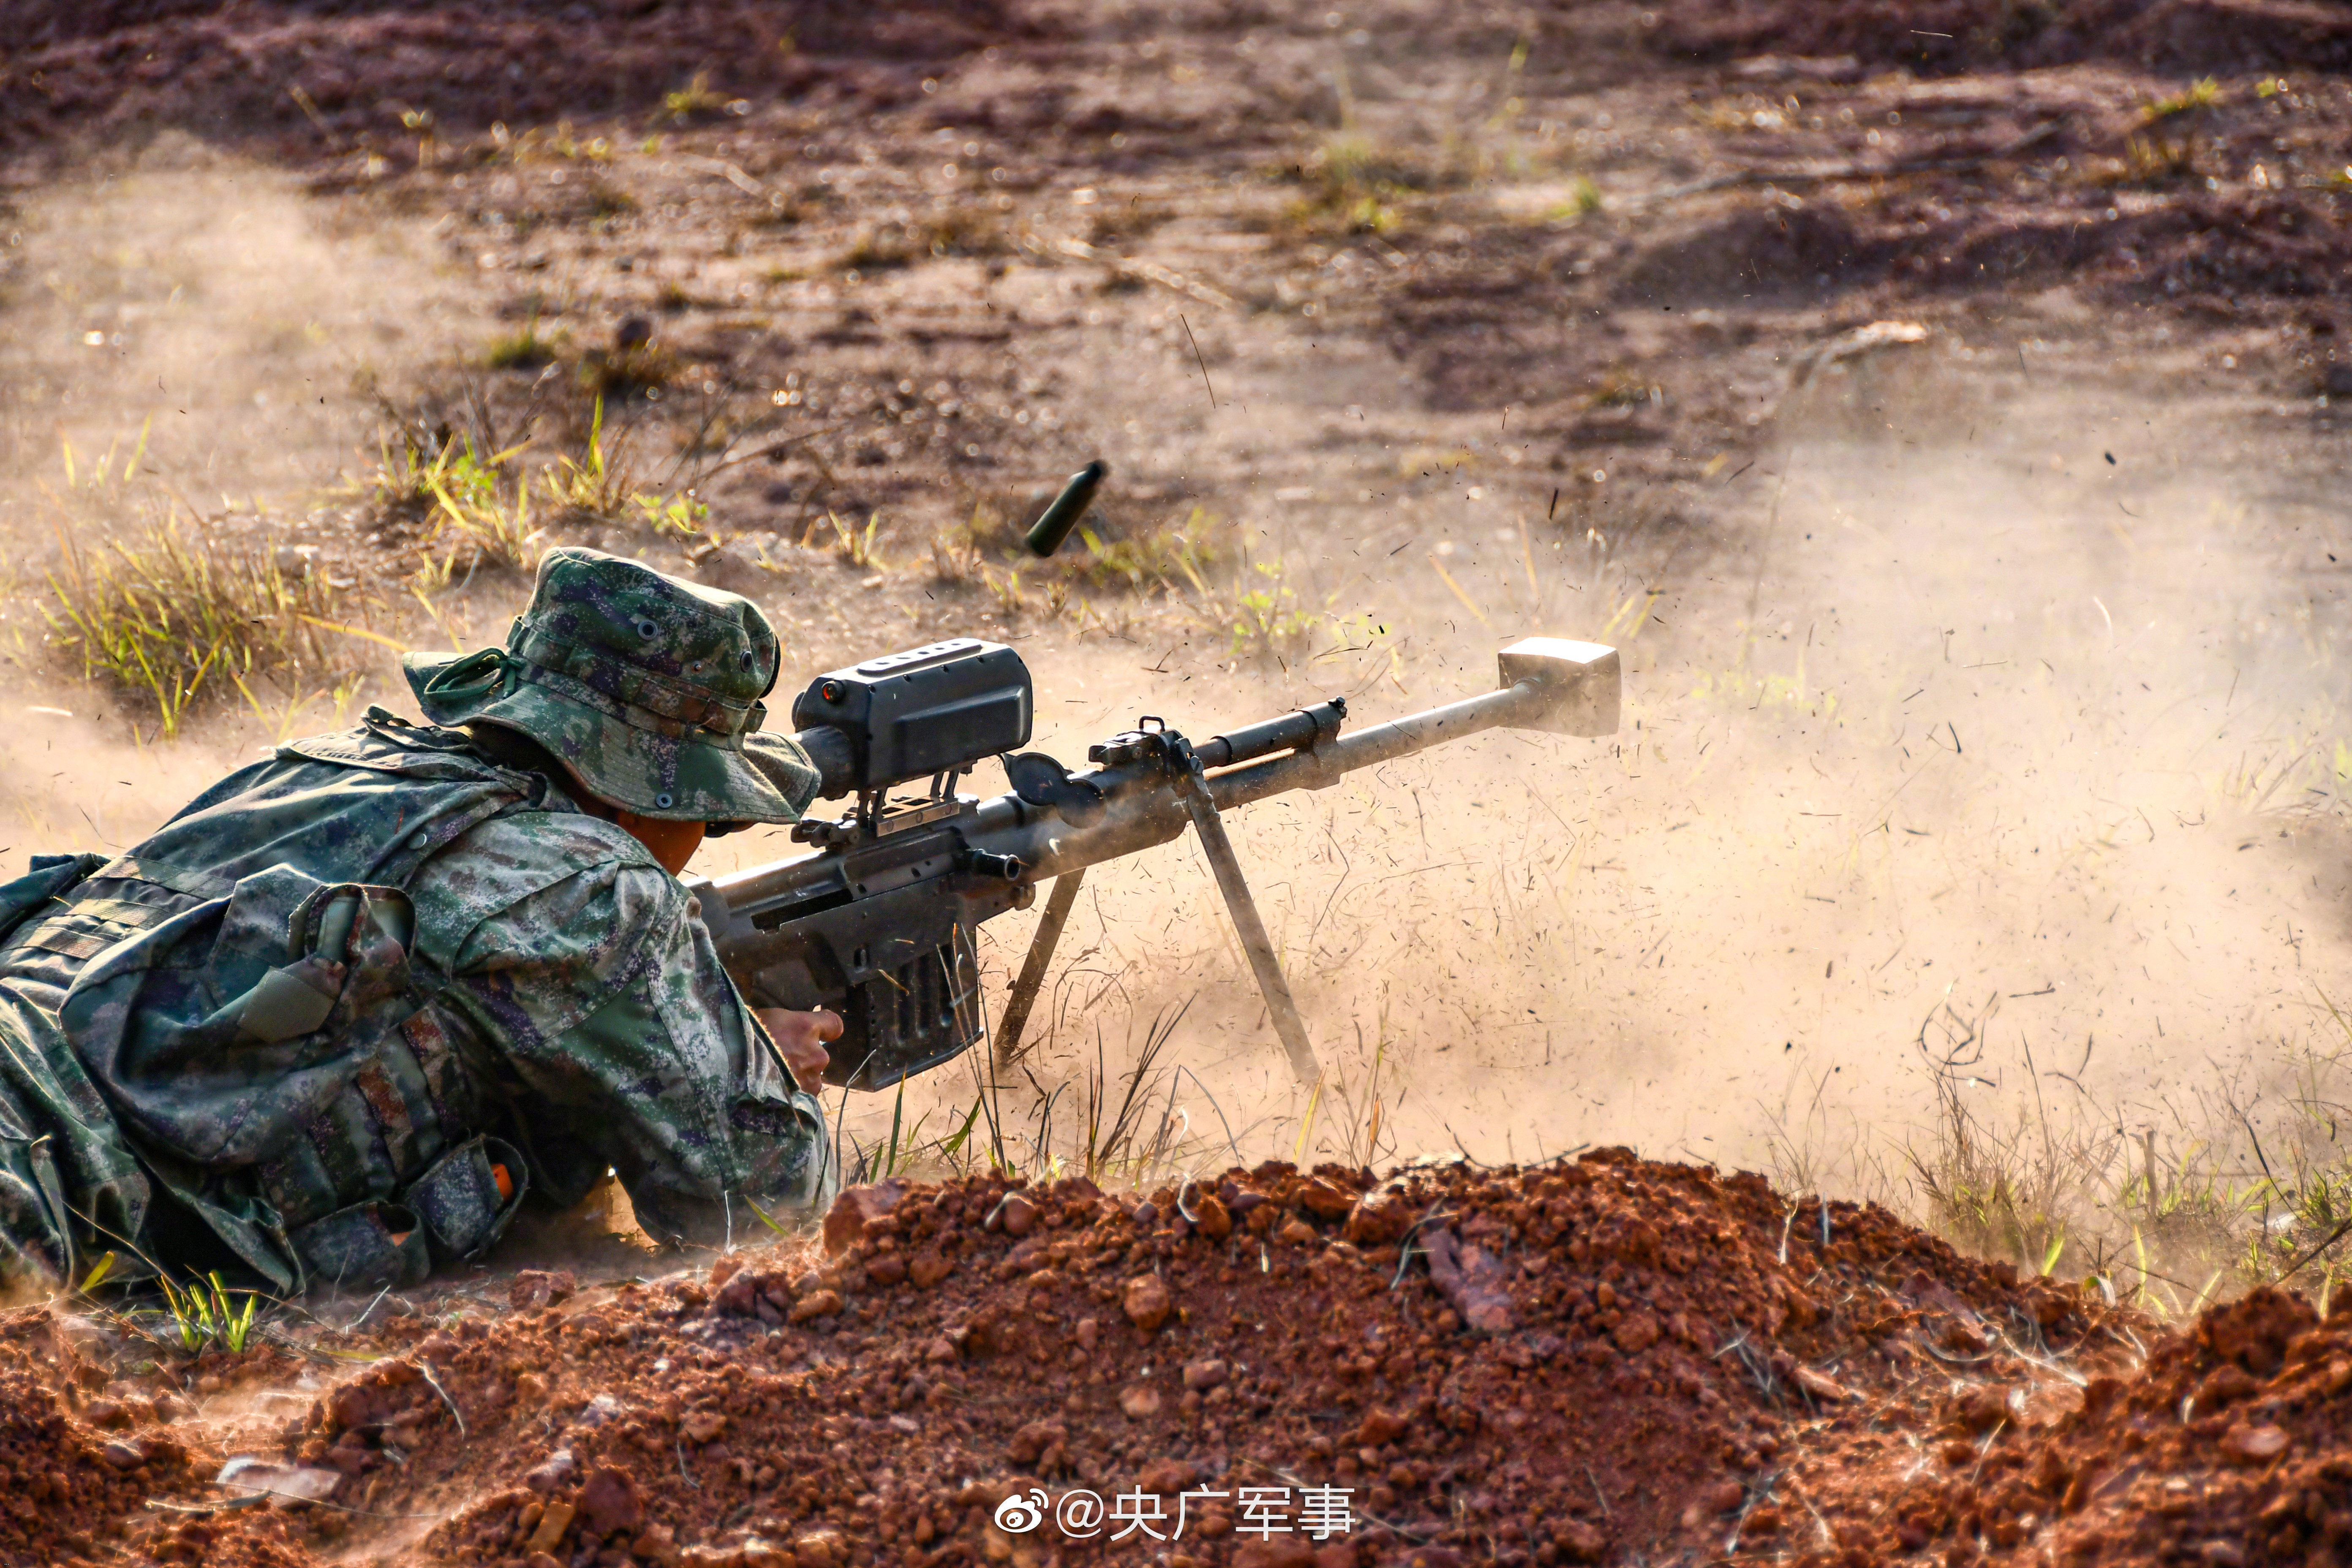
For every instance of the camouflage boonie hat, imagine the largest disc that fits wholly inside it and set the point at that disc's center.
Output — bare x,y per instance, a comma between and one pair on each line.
648,686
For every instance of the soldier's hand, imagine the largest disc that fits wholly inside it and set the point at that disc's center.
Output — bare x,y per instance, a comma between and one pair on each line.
800,1037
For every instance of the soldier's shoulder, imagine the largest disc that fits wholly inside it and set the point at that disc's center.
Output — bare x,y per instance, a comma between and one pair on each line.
542,873
386,742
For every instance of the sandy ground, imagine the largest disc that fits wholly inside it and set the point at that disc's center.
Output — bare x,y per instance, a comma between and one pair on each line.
1980,672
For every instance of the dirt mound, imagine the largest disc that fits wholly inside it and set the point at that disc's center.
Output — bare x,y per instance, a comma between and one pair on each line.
1944,36
65,1481
1562,1365
332,78
1599,1361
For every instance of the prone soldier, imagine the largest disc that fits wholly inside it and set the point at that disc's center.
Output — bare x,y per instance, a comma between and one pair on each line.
352,1007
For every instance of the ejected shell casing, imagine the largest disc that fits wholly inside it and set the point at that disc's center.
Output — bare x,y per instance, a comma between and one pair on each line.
1054,525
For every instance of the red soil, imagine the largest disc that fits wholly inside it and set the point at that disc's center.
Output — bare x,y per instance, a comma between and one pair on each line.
1600,1361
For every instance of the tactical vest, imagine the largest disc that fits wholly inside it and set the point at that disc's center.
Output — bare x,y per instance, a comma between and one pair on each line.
249,994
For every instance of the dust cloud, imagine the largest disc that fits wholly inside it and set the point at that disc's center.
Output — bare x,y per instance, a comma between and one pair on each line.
1998,702
2003,711
182,332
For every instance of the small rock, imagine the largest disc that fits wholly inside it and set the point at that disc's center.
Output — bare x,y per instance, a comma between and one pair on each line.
1087,1334
542,1560
1822,1387
940,1349
927,1269
726,1268
1725,1496
1471,1278
530,1390
124,1455
702,1425
2254,1444
1296,1233
1166,1478
2223,1555
609,1501
1145,1217
536,1288
1379,1216
552,1526
1147,1302
816,1304
1203,1374
285,1485
106,1412
553,1474
1141,1401
1579,1540
1983,1408
886,1271
1637,1331
1036,1440
856,1208
1325,1200
820,1549
659,1545
738,1298
1212,1219
1017,1214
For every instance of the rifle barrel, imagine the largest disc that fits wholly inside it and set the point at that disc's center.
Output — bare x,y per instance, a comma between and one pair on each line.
1572,689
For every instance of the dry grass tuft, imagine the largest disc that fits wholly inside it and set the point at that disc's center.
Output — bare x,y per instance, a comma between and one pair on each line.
174,618
960,230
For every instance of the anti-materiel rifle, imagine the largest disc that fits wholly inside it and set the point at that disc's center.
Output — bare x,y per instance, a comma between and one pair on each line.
877,921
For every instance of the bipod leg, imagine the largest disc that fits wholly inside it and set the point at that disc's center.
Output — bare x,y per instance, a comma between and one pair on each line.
1254,942
1033,968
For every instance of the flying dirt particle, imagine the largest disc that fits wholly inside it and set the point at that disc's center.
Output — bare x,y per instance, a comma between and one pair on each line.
1147,1302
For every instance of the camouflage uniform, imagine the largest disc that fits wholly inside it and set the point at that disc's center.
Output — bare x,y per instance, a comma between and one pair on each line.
305,1026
